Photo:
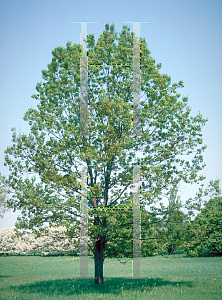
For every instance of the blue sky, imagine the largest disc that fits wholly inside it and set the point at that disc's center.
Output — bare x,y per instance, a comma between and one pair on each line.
185,36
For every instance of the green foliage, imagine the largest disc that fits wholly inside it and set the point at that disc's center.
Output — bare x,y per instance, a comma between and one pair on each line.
150,242
205,232
3,197
172,228
53,153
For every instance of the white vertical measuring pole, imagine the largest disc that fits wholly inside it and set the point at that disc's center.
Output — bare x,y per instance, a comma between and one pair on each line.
136,132
136,222
83,133
83,82
84,225
136,80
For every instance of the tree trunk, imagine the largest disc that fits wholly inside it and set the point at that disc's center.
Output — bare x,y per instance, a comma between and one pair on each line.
99,259
100,242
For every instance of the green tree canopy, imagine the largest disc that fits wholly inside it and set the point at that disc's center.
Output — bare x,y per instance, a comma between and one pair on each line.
168,150
205,232
172,228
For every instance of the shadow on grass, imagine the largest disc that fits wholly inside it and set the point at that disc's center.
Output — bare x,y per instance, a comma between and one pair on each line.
113,286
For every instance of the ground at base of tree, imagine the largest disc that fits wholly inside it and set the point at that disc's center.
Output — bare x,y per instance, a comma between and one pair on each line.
35,277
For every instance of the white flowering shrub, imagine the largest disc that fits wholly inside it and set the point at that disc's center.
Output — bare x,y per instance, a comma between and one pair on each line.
7,243
55,242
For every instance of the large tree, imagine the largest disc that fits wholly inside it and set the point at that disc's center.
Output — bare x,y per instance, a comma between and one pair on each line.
168,149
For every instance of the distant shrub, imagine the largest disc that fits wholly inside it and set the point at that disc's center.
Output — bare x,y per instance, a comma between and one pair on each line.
55,242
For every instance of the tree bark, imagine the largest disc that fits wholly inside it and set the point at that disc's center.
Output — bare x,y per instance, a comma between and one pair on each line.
100,243
99,259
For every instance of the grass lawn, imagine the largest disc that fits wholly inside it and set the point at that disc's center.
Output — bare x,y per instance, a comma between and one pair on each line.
36,277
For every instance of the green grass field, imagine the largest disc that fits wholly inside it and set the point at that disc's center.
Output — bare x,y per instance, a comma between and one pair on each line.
36,277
